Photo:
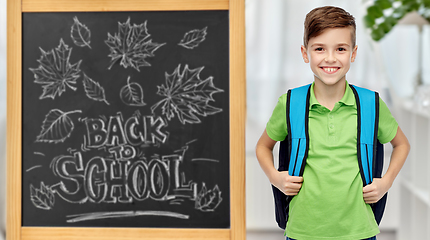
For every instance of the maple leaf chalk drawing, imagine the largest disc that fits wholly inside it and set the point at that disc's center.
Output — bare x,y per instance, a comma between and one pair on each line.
56,127
131,45
42,198
193,38
80,34
186,95
93,90
132,94
208,200
55,72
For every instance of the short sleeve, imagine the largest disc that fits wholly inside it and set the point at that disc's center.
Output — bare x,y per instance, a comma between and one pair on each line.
276,127
388,125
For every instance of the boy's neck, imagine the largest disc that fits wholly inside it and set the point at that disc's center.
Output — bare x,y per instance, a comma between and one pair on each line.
329,95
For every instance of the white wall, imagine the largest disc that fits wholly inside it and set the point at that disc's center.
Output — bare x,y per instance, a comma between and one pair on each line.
260,211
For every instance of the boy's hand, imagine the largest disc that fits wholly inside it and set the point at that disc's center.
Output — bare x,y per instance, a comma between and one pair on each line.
289,185
375,191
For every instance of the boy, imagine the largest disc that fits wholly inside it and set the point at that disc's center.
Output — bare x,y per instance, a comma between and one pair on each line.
329,200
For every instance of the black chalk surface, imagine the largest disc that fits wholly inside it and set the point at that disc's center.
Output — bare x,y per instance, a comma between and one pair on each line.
126,119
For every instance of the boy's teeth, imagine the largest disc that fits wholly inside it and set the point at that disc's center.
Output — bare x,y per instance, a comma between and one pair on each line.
330,69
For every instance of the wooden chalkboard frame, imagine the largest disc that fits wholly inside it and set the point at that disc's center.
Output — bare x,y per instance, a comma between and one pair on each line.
14,119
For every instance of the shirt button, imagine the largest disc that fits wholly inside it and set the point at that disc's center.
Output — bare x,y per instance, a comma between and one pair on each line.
331,126
331,117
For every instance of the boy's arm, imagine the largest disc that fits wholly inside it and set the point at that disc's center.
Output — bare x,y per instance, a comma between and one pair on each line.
289,185
376,190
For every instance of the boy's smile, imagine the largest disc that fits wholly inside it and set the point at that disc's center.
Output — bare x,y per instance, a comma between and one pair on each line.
330,55
330,70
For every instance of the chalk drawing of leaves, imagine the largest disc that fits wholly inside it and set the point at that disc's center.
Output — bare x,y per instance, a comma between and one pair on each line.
186,95
193,38
131,45
208,200
93,90
80,34
132,94
56,127
42,198
55,72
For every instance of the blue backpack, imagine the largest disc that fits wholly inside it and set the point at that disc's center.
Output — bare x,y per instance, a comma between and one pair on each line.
293,151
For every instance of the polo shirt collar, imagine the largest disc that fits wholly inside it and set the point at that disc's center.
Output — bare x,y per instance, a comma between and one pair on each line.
347,99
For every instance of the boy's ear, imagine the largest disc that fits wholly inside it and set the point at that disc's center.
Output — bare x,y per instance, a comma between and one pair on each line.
354,53
304,54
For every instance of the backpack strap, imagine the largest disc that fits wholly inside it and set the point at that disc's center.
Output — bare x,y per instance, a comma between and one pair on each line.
297,104
367,131
298,134
370,151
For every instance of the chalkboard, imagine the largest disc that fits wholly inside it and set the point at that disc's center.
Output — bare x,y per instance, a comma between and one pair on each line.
125,119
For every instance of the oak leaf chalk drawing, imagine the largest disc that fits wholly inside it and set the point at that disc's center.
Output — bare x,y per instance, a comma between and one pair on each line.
56,127
42,198
131,45
93,90
80,34
208,200
193,38
55,71
186,95
132,94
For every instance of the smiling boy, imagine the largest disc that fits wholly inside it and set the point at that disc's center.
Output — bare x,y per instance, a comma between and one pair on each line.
329,200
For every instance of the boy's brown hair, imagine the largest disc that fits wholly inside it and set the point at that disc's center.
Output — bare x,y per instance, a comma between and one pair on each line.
322,18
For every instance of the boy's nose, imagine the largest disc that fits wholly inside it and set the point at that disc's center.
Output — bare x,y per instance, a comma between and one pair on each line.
330,58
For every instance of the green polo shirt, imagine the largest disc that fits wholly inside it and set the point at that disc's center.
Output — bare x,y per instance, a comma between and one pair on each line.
330,203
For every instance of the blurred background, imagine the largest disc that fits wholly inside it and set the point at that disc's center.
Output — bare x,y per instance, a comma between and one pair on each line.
393,38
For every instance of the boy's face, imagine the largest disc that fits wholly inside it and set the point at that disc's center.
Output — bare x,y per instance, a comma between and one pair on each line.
330,55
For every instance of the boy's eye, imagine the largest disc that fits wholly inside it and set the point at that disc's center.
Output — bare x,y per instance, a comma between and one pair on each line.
341,49
319,49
